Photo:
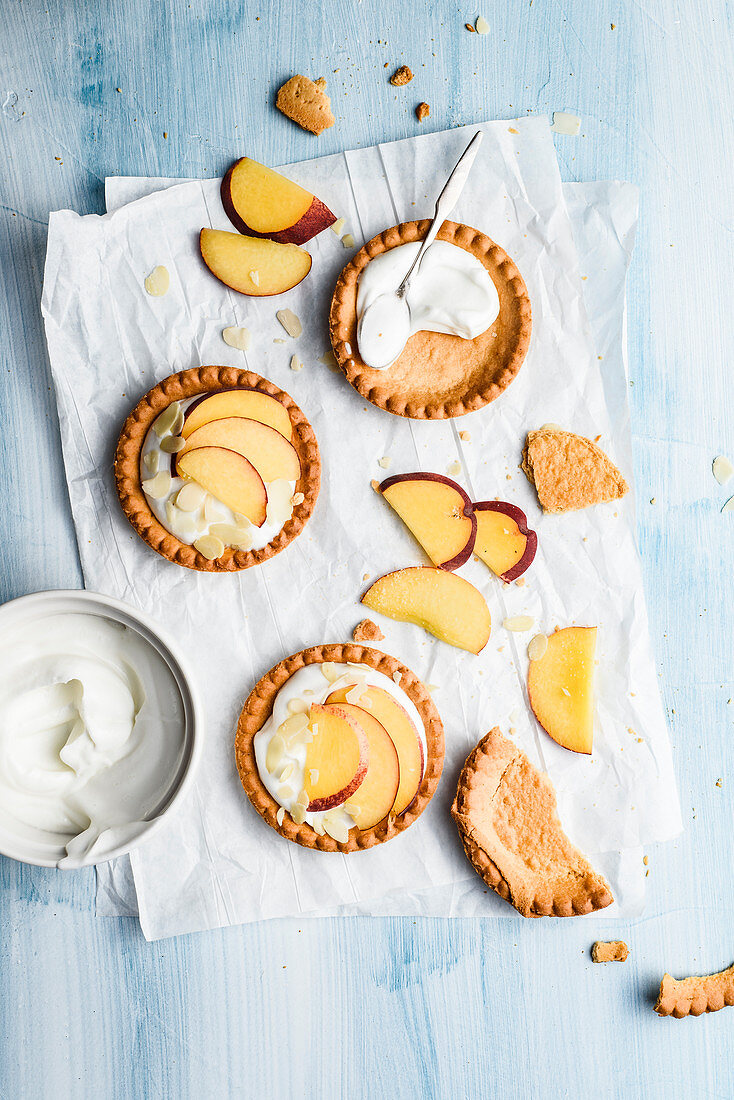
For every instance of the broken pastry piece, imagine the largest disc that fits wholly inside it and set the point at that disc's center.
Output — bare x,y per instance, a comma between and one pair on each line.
613,951
367,631
505,810
305,102
568,471
681,997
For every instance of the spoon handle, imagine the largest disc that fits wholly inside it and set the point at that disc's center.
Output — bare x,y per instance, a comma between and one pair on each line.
445,203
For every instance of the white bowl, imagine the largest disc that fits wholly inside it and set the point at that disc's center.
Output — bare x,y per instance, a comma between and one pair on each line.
36,606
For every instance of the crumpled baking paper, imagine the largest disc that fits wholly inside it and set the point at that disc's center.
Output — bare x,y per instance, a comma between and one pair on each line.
215,863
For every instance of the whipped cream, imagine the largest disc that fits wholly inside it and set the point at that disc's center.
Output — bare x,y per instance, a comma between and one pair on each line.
92,732
209,516
313,684
451,292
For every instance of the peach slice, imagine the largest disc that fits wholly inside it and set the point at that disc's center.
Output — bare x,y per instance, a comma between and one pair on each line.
337,758
438,512
229,477
263,203
248,403
381,705
442,603
504,541
560,687
251,265
272,456
378,790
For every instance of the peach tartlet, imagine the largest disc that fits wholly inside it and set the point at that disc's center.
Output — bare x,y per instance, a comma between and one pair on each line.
217,469
339,747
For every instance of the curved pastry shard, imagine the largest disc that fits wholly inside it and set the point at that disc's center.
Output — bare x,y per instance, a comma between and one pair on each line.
693,996
568,471
505,810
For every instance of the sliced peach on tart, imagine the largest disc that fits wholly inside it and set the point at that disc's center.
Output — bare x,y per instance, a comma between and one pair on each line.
251,265
438,512
337,757
269,452
442,603
229,477
504,541
561,687
381,705
263,203
248,403
376,795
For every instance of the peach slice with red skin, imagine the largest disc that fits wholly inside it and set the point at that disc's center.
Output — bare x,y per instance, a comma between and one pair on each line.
234,260
337,758
381,705
560,687
263,203
438,512
377,792
272,456
442,603
229,477
237,402
504,541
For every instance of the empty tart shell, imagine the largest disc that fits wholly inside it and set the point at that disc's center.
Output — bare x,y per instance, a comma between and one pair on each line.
195,383
437,376
258,709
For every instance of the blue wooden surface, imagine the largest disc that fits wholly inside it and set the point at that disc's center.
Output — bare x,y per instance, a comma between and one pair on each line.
366,1008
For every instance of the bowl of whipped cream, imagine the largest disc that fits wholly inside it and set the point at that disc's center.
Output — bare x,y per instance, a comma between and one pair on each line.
100,728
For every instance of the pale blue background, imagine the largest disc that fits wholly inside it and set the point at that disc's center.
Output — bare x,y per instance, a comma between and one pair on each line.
399,1008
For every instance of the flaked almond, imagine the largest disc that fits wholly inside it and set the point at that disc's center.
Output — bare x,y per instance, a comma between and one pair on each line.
237,337
729,506
290,322
465,436
348,240
209,546
172,444
481,26
537,646
298,813
297,706
255,277
280,815
296,363
401,76
275,753
286,793
303,799
336,829
287,772
152,461
164,423
296,499
397,676
190,497
722,469
313,774
355,693
338,226
566,691
318,826
331,671
385,462
236,537
293,726
518,623
158,282
159,486
353,809
564,123
454,468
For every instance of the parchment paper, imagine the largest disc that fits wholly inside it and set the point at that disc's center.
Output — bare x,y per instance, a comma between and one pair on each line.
216,863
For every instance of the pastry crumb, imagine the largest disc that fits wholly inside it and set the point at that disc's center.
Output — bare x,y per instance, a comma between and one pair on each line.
367,631
610,951
468,26
306,103
466,436
401,76
422,111
375,485
720,782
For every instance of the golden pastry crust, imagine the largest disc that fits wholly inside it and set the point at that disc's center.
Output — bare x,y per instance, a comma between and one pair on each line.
436,376
505,810
606,951
569,471
681,997
258,709
306,103
367,631
192,383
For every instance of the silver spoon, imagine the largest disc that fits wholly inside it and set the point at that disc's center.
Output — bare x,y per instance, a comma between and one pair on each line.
385,324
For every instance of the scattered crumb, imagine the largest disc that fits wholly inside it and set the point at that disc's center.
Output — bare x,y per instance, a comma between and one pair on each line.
401,76
296,363
520,582
422,111
564,123
375,485
454,468
613,951
481,26
385,462
466,436
397,676
367,631
653,500
645,860
719,782
366,577
468,26
508,477
512,130
165,133
278,341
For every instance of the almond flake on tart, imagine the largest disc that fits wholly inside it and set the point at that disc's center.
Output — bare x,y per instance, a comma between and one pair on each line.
217,469
368,752
505,810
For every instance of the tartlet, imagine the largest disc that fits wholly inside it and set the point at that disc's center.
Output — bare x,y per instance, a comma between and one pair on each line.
436,376
196,383
257,711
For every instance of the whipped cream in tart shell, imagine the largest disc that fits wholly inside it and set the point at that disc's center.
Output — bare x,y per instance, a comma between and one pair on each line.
158,525
271,702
